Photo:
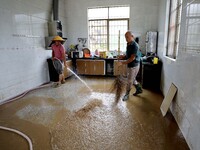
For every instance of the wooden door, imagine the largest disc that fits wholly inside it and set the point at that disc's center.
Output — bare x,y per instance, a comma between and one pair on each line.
80,66
99,67
89,67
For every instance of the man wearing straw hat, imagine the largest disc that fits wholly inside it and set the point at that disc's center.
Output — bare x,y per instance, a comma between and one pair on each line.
133,64
58,57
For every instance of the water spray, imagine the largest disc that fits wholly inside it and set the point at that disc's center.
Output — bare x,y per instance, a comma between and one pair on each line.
80,79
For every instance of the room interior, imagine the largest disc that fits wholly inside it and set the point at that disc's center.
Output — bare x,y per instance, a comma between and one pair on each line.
43,114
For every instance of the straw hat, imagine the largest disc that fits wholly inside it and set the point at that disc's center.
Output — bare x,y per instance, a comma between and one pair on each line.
57,38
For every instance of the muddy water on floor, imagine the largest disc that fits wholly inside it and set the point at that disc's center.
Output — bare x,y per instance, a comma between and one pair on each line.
72,117
10,138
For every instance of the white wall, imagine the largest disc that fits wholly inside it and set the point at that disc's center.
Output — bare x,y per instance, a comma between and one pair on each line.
23,27
184,73
143,17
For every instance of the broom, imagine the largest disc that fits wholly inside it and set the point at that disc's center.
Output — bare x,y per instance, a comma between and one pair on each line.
118,85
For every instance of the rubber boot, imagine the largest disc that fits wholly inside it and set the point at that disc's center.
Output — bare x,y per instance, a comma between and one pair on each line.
138,89
126,96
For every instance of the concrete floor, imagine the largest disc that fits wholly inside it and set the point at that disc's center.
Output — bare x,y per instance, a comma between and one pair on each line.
72,117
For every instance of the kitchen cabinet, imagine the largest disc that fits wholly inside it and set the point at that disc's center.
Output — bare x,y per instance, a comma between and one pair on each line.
90,67
151,75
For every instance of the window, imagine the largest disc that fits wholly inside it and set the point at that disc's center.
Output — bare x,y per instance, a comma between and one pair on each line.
174,28
192,26
105,24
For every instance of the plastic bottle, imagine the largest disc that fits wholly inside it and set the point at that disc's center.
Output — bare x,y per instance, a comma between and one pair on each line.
155,60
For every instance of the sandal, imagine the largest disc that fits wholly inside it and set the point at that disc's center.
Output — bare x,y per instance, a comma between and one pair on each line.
63,82
57,85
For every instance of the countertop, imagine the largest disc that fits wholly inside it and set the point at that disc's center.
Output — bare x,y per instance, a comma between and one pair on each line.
95,58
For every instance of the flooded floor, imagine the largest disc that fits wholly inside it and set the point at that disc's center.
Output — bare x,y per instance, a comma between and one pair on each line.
74,117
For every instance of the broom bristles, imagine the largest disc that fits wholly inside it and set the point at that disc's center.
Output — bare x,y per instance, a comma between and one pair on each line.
118,87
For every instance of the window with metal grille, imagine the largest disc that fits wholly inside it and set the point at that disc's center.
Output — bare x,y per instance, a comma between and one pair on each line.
192,30
174,28
105,24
